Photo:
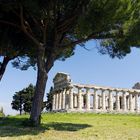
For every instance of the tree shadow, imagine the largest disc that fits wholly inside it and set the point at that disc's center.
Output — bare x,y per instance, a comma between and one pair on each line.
60,126
16,127
10,127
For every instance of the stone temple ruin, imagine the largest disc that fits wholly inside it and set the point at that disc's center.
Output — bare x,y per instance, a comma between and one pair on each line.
71,97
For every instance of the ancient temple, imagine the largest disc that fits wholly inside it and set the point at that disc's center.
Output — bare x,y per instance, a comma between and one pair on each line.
71,97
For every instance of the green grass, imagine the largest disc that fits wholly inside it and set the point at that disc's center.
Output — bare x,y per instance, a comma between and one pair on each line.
76,126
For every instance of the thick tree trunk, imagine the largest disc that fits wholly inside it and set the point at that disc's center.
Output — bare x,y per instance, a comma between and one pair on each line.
40,89
3,66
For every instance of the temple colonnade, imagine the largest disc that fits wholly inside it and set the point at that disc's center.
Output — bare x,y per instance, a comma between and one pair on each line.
90,98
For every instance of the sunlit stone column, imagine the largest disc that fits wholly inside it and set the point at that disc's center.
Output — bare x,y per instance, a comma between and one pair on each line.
117,101
53,107
130,102
57,99
88,99
136,102
110,101
71,98
103,100
95,102
60,100
75,100
79,99
64,99
124,107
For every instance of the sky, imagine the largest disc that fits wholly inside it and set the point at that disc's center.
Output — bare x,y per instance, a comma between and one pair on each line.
87,67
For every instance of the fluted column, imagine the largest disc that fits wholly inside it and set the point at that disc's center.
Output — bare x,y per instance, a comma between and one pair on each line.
110,101
71,97
64,99
124,107
87,99
95,102
136,102
57,99
117,101
60,99
54,97
130,102
103,100
79,99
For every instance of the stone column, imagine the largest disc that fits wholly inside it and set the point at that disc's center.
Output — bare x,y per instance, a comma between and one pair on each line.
82,100
71,97
57,99
53,107
79,99
117,101
99,102
103,101
67,99
136,102
95,102
60,100
64,99
75,100
124,107
127,102
110,101
131,102
87,99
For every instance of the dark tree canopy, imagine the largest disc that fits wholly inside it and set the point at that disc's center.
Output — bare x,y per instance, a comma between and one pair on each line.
49,30
22,100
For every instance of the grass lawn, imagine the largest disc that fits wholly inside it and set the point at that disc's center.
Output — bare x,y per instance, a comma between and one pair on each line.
76,126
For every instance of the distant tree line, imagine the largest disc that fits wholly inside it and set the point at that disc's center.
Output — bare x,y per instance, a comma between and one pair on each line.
22,100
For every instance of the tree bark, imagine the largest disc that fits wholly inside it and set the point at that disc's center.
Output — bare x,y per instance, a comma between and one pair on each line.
3,66
40,89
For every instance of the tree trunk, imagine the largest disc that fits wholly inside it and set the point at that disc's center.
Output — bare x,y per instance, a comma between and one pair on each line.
42,77
3,66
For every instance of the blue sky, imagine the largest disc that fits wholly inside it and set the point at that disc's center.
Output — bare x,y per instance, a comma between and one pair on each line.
87,67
